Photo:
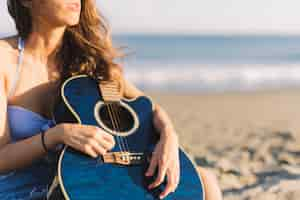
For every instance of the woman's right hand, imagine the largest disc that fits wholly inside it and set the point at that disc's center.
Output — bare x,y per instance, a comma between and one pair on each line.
88,139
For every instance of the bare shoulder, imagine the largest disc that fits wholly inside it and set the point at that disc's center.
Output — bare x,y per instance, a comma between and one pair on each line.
8,43
8,50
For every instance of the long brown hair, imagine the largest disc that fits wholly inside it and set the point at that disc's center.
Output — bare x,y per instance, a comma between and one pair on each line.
86,48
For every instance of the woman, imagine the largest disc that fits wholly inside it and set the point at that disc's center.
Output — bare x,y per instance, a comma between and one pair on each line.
57,39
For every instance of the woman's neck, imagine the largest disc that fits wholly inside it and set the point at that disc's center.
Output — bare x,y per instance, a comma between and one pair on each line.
42,45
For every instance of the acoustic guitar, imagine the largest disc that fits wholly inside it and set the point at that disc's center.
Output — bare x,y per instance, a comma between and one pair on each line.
119,174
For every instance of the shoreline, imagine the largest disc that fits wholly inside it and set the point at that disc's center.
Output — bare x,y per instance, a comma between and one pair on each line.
286,90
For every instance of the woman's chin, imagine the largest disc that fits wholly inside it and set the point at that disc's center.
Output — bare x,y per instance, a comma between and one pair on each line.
72,23
67,23
72,20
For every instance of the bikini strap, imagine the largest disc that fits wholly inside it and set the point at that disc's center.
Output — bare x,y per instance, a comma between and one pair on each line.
21,46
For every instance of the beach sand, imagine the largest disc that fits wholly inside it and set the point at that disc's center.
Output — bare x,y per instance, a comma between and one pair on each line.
251,141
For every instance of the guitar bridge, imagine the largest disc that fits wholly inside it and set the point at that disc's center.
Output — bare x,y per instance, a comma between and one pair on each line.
124,158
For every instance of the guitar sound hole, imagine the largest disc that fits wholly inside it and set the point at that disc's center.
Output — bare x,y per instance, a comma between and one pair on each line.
116,117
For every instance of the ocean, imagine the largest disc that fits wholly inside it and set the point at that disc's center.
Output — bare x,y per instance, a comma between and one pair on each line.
210,63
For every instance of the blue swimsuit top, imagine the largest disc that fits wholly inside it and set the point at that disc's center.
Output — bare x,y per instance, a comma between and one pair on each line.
24,123
31,182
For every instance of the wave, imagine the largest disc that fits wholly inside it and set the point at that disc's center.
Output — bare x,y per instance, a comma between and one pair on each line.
193,77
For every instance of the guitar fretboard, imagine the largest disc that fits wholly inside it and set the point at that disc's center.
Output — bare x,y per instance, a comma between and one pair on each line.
111,91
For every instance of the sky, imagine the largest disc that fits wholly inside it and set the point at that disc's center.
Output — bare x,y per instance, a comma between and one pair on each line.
193,16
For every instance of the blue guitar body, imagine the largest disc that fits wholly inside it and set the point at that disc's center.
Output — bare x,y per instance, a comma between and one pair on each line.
81,177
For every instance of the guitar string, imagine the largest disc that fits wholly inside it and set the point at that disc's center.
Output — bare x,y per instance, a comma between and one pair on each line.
117,126
119,122
110,108
118,141
119,118
121,145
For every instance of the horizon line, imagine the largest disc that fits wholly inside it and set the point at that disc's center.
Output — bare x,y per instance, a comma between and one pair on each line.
200,33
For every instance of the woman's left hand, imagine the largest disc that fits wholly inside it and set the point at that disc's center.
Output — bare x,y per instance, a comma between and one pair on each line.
166,157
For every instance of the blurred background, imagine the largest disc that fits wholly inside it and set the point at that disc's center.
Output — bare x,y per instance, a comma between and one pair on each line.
202,45
228,74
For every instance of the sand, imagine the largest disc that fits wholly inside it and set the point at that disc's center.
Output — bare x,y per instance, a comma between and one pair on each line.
251,141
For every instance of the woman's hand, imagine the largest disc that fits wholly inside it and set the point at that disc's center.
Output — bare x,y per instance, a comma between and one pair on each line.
86,138
166,158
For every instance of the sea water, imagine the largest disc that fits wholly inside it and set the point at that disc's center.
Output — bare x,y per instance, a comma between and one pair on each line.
210,63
